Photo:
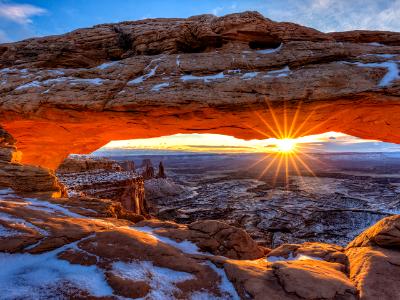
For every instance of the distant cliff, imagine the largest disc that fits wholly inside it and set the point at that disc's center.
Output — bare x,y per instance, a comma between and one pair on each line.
103,178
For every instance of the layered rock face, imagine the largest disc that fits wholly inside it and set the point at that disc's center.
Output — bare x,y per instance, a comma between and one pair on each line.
202,74
24,178
105,179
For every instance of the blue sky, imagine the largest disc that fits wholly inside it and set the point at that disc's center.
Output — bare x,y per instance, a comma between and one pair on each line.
20,19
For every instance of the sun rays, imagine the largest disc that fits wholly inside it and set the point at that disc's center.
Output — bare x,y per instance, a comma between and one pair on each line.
287,154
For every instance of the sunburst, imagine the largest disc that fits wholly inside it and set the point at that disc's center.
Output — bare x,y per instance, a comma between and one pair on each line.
287,154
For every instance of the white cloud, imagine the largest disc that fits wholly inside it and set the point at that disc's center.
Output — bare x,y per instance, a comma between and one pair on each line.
19,13
338,15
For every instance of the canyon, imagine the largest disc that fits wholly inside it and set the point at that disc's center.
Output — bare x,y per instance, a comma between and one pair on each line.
80,229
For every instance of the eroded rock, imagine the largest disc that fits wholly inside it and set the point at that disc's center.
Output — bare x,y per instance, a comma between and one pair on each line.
153,78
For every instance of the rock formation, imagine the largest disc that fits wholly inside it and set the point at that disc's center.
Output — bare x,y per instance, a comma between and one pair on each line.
204,260
153,77
146,169
161,171
24,178
103,178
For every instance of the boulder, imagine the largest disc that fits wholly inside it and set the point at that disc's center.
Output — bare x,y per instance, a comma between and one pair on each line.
385,233
327,252
212,237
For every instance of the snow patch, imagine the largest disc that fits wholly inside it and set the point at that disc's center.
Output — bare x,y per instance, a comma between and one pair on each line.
70,80
161,280
8,232
376,44
142,78
284,72
249,75
51,208
27,276
94,81
11,220
381,55
226,287
390,76
178,62
158,87
206,78
185,246
32,84
291,258
269,51
107,65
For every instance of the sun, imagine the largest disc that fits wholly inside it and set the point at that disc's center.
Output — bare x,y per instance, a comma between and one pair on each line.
286,145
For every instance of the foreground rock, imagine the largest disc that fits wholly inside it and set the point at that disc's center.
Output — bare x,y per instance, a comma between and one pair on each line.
153,77
374,260
78,252
210,236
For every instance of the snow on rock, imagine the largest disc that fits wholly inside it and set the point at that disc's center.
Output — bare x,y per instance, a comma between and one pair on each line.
381,55
158,87
44,276
51,208
70,80
249,75
185,246
291,258
107,65
35,204
11,220
142,78
376,44
226,287
161,280
284,72
6,192
269,51
206,78
29,85
8,232
391,75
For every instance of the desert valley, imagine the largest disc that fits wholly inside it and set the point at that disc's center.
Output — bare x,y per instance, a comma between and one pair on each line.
79,220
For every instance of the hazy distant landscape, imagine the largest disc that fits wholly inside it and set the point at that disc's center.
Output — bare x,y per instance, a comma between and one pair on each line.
349,192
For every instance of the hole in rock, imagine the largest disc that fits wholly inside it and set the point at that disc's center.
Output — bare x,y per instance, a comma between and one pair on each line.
267,44
327,187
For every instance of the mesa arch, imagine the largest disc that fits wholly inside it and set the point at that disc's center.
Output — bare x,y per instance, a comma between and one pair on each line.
75,92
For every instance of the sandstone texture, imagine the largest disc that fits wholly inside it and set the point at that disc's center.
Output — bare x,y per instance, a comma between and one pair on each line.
374,260
87,251
75,92
21,177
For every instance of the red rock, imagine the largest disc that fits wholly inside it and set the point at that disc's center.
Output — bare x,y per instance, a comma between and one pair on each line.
89,106
385,233
375,272
104,179
211,236
327,252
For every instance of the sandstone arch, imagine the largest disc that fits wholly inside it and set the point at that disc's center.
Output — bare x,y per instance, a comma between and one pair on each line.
76,92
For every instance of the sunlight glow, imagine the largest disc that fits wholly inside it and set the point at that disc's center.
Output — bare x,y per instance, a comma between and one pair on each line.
286,145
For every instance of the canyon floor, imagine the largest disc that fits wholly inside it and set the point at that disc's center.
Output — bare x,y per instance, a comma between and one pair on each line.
346,193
